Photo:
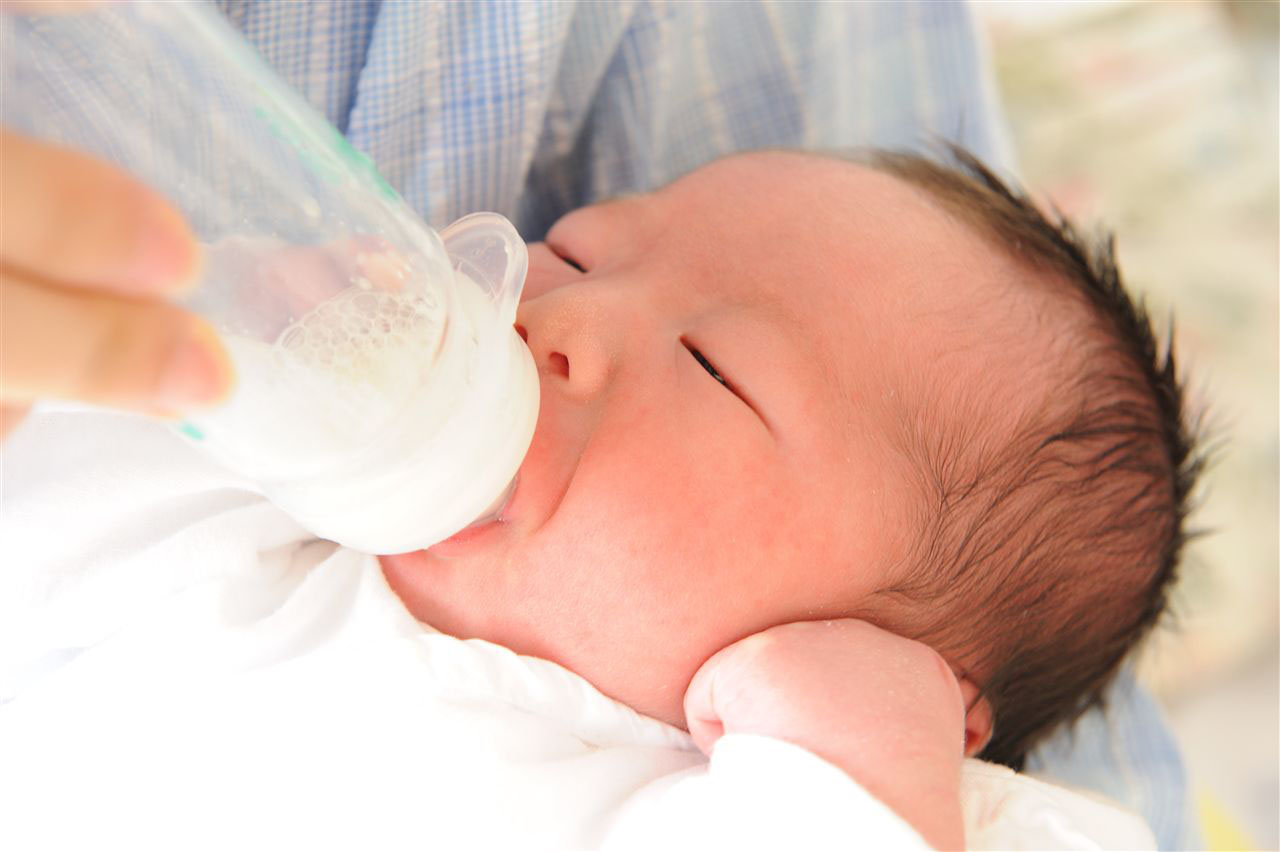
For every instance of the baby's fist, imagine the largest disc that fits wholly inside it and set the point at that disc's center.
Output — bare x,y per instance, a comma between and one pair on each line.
885,709
846,690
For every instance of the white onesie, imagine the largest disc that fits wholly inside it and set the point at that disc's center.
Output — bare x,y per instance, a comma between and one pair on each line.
182,667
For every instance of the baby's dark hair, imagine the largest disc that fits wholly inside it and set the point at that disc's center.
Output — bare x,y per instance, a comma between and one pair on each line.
1046,558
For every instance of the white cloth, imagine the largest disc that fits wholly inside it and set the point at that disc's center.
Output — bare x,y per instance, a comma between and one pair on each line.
181,667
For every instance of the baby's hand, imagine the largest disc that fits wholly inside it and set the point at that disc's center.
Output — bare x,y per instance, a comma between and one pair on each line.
885,709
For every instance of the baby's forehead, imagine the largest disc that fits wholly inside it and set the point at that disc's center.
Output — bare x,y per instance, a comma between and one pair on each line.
842,247
806,221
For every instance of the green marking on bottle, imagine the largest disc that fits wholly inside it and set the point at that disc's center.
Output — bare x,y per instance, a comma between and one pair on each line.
320,162
190,431
315,162
363,162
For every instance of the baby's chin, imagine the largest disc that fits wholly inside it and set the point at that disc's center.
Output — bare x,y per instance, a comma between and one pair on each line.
430,588
462,597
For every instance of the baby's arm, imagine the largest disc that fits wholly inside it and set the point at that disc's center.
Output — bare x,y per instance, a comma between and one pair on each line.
885,709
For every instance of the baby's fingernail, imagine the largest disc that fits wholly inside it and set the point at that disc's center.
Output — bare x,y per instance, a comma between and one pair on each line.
198,373
166,257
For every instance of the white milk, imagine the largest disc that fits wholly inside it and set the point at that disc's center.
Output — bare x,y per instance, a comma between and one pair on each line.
384,420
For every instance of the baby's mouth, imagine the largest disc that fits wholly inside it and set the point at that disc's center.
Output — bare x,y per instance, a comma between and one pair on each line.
478,532
495,510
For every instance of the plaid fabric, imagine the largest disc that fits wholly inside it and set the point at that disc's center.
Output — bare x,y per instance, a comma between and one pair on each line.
1128,754
534,108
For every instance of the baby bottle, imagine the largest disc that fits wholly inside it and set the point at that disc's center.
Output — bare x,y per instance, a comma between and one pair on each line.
382,397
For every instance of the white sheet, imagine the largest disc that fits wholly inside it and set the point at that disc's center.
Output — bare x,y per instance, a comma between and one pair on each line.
181,666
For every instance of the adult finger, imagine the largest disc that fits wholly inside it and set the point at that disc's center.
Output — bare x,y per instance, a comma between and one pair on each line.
10,416
50,7
105,349
73,219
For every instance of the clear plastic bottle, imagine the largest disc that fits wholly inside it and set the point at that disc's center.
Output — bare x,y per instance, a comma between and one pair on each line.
383,397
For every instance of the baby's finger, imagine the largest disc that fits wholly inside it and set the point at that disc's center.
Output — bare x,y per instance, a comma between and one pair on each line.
699,713
73,219
105,349
702,712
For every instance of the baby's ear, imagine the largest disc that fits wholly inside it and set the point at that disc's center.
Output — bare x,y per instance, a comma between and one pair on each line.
978,724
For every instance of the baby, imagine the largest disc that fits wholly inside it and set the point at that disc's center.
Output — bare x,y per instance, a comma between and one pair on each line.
864,455
793,388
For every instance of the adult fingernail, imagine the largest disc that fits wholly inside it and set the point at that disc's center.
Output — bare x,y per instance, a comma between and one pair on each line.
198,372
166,256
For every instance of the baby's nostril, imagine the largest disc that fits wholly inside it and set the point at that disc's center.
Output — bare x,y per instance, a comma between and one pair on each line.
559,364
524,335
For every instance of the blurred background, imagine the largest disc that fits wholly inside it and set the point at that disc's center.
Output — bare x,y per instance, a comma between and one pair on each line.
1160,119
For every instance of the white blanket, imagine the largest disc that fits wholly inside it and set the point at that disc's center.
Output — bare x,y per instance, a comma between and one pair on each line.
182,667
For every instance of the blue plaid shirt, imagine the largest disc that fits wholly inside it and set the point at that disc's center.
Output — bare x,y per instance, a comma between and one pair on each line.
532,109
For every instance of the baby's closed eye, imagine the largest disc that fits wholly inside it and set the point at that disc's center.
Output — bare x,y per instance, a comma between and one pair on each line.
706,365
714,371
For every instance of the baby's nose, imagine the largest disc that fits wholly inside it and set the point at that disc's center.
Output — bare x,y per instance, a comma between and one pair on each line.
569,341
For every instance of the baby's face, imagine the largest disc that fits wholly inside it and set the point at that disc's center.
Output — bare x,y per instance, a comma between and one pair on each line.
723,381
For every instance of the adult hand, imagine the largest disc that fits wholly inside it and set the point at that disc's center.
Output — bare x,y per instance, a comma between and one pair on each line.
88,257
48,7
885,709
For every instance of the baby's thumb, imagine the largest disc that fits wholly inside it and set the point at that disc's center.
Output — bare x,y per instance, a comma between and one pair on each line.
700,712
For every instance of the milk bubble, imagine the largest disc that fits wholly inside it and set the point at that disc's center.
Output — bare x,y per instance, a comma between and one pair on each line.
328,384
